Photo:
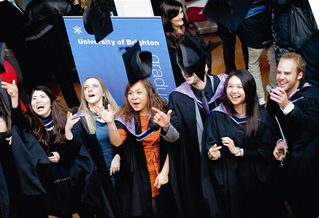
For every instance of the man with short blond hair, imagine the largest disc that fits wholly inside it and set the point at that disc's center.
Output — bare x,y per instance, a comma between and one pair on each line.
295,104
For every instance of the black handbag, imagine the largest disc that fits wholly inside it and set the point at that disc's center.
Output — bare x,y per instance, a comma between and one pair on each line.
302,25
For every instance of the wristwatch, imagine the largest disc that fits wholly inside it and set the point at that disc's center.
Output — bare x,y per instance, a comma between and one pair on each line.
239,152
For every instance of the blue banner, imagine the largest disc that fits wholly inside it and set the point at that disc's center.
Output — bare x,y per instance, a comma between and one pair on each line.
104,59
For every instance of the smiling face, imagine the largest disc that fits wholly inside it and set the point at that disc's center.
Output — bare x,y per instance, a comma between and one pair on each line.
137,97
287,76
93,92
41,103
235,92
177,21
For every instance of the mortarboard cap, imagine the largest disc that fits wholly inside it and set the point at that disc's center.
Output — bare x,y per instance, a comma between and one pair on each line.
2,54
97,21
191,59
138,64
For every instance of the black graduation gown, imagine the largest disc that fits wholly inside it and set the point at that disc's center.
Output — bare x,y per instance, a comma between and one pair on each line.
23,192
185,171
98,192
301,128
4,195
237,185
61,191
32,167
25,166
6,162
138,186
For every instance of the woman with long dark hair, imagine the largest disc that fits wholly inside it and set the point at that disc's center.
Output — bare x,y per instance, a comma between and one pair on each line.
178,30
237,146
46,119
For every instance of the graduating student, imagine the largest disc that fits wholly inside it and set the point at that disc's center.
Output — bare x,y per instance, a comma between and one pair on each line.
189,113
45,119
143,133
92,127
238,143
296,105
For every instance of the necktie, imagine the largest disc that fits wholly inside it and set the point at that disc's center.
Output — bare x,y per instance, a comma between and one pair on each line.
205,103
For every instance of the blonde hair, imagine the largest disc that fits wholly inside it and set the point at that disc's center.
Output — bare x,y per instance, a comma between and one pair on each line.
84,107
298,59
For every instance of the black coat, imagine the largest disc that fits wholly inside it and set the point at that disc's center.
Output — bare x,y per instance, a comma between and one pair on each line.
97,189
138,187
185,162
237,186
255,31
309,52
301,128
25,166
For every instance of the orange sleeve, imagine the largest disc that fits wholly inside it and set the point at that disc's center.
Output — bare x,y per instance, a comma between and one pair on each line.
122,134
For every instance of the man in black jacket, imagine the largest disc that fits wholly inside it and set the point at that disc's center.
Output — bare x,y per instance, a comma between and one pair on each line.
188,117
295,103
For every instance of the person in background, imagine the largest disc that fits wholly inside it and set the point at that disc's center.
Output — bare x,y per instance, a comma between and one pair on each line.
295,103
49,52
255,32
311,56
281,13
238,143
178,30
229,46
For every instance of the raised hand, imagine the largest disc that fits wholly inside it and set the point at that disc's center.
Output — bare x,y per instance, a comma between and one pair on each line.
279,95
105,114
11,89
71,120
162,119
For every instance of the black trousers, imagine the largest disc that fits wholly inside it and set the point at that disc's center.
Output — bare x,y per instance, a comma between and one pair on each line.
229,48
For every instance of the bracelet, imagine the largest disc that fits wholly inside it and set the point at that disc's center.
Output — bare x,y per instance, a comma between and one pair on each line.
239,152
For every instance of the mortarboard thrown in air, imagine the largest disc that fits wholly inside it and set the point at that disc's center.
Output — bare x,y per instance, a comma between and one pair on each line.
191,59
2,54
138,64
97,20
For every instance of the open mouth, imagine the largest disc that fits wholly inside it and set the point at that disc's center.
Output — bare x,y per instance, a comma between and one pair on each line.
40,107
91,95
235,97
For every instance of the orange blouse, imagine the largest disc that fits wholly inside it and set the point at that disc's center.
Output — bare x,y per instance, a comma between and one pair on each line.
151,150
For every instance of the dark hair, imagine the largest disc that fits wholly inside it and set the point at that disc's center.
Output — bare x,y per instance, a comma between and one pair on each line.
169,10
59,117
251,100
153,100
